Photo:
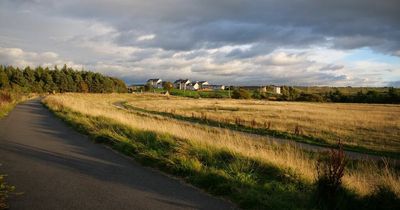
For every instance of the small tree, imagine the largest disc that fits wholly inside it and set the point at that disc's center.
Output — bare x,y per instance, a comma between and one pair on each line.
148,87
256,94
241,94
167,86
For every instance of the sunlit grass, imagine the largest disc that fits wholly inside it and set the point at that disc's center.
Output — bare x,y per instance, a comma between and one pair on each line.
8,100
370,126
364,177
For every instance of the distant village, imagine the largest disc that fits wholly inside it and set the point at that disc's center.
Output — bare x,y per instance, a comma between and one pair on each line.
186,84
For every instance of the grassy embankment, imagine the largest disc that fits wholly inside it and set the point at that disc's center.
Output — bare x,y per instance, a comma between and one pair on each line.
367,128
249,170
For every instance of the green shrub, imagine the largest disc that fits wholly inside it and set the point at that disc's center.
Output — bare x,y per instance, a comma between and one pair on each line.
256,95
241,94
148,87
310,97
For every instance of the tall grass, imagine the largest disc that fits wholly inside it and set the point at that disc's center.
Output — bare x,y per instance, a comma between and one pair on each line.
9,99
249,169
6,103
371,126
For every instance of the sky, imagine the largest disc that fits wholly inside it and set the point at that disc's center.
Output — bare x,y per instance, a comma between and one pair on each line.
231,42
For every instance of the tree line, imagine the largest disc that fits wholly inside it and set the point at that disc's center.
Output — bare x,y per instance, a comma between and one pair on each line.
392,95
42,80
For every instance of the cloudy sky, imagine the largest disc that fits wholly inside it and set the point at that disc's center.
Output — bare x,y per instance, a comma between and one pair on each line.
253,42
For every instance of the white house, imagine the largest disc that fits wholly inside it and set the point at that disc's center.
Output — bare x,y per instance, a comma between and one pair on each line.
276,89
182,84
203,83
156,83
193,86
198,85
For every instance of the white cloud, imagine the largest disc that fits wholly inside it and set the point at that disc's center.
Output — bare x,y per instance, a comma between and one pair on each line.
282,59
146,37
21,58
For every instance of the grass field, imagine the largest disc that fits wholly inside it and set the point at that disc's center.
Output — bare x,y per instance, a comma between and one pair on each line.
368,126
250,170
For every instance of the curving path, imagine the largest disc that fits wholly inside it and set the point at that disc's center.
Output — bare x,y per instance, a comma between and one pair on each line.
58,168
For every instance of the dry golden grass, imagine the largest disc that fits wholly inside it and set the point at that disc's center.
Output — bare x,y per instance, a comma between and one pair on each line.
371,126
363,180
9,99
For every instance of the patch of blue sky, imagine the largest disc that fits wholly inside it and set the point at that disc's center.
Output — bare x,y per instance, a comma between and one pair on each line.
367,54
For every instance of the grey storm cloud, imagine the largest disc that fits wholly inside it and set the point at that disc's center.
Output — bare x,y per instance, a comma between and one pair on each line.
188,24
178,37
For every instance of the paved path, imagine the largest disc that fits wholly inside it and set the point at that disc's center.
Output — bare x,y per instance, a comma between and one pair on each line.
58,168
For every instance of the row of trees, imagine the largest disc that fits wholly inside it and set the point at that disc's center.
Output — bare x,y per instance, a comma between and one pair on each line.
392,95
66,79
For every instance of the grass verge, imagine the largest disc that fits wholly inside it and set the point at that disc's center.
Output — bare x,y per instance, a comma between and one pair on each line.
6,191
249,182
9,99
7,103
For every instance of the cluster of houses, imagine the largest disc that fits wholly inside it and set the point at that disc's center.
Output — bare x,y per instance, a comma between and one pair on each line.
275,89
185,84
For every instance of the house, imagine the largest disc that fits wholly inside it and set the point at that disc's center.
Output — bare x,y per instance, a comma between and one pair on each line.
155,83
181,84
203,83
198,85
194,86
214,87
263,89
276,89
